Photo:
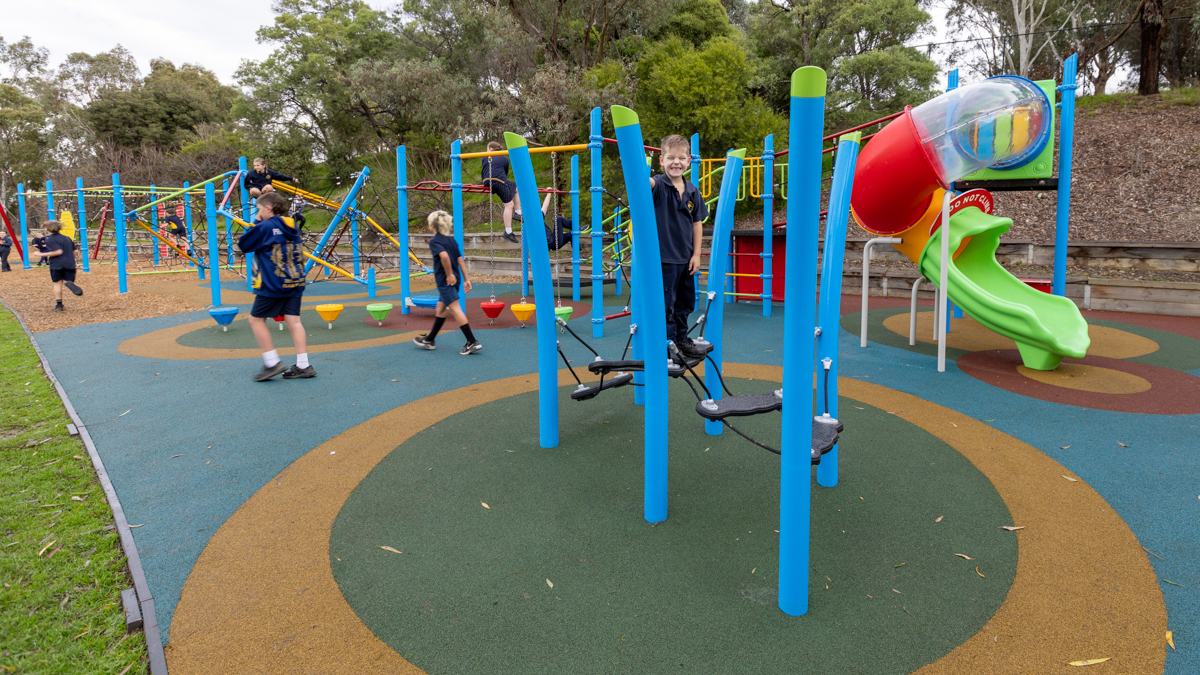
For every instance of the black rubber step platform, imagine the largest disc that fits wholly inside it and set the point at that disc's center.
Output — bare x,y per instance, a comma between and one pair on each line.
824,436
739,406
604,367
584,393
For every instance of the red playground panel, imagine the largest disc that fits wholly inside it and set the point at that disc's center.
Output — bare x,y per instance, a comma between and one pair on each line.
747,247
1042,285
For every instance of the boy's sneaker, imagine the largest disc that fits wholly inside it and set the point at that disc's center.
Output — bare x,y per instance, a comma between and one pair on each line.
73,288
510,236
517,215
424,341
296,372
470,348
58,308
692,349
268,372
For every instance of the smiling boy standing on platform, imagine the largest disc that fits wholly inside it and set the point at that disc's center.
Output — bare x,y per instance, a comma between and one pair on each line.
679,210
278,280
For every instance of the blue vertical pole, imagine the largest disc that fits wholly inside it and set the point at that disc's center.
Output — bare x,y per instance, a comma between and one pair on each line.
575,259
595,144
695,156
247,216
1066,151
191,233
768,193
214,251
50,201
618,233
456,191
718,262
522,166
831,286
337,217
119,222
370,282
24,226
228,230
648,287
402,219
952,80
525,260
81,207
154,223
638,344
800,287
355,248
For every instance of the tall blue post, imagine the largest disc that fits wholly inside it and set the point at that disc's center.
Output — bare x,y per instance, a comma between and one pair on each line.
525,260
214,251
718,262
636,313
370,282
456,192
355,247
50,201
575,259
191,234
24,225
952,80
653,324
618,233
248,217
337,217
154,223
402,219
768,196
595,144
81,207
695,156
228,232
119,222
829,312
800,285
522,166
1066,152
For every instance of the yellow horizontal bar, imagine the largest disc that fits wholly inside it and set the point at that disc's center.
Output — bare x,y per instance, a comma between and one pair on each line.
532,151
332,267
735,274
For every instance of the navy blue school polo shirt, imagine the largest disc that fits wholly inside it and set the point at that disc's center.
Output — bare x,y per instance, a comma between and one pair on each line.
675,214
437,244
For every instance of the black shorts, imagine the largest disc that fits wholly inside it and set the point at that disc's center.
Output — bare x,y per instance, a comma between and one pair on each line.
505,189
269,308
62,275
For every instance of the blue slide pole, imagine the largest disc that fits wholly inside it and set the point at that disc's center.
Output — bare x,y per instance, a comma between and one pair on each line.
24,225
154,224
1066,153
595,143
806,125
119,234
648,288
768,193
214,252
829,313
337,218
402,220
575,259
456,200
547,341
718,263
81,207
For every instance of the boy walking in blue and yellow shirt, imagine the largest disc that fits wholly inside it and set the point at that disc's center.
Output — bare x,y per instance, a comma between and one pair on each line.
278,281
678,210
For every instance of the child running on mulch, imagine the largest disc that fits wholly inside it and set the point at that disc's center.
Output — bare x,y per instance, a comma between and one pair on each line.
60,252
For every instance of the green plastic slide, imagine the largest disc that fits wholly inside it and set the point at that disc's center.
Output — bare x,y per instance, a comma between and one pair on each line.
1045,327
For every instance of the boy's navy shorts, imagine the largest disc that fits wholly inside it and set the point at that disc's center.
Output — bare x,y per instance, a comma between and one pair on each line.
505,189
269,308
62,275
448,294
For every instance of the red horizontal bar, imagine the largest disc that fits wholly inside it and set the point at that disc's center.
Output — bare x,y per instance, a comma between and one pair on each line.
616,316
648,147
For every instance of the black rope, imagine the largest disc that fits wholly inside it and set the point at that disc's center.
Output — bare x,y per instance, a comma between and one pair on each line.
827,391
589,347
564,358
732,428
627,343
718,371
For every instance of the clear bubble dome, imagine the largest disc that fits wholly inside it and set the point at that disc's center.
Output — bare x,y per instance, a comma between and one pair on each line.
1001,123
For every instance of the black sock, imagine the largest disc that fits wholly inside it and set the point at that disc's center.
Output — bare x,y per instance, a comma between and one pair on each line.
437,325
58,302
466,329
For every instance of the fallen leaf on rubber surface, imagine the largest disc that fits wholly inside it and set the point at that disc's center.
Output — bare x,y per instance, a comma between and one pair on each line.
964,557
1073,480
895,591
389,548
485,505
900,565
939,519
1064,447
980,573
550,583
1171,639
1122,444
1012,528
1089,662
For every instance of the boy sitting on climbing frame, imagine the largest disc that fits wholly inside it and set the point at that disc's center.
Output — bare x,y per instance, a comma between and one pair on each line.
60,252
679,210
176,230
494,174
258,180
278,281
448,268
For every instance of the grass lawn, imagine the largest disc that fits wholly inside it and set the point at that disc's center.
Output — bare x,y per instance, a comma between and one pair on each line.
60,561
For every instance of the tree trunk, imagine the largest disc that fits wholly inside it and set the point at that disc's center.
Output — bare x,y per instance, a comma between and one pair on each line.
1106,67
1151,23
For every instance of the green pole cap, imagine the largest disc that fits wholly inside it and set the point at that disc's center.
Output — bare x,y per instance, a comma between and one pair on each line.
740,153
623,117
512,140
808,82
854,137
